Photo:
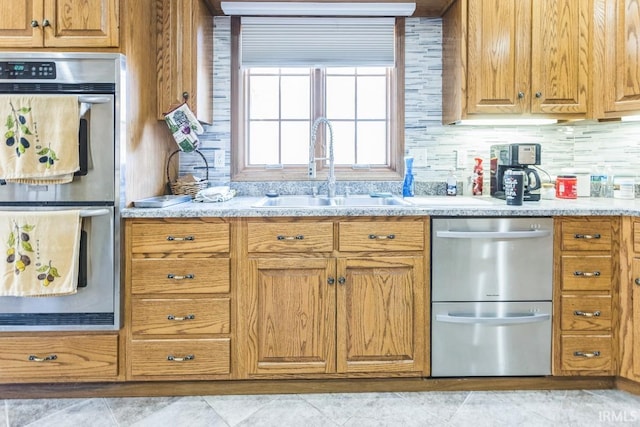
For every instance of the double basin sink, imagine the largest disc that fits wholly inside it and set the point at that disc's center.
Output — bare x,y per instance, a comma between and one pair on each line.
324,201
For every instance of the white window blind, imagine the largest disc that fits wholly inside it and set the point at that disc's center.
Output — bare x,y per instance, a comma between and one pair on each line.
317,42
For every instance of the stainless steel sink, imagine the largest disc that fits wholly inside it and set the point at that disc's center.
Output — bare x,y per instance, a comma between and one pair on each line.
323,201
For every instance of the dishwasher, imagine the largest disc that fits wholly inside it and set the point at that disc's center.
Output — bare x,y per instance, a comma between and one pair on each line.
491,286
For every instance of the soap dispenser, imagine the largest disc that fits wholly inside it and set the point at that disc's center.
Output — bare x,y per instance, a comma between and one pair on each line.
408,184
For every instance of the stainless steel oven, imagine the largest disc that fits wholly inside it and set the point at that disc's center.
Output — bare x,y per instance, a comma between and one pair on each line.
491,296
98,81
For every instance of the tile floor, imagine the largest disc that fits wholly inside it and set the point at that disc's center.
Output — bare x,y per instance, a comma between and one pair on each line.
520,408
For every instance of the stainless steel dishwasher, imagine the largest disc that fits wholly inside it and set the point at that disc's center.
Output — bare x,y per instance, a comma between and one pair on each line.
491,283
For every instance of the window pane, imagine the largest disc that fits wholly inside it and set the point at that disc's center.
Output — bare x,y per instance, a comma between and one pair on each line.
263,143
295,143
372,97
372,143
340,97
294,71
296,102
344,142
264,97
340,70
372,70
264,71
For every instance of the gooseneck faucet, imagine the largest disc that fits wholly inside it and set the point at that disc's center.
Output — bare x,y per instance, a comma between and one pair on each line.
331,179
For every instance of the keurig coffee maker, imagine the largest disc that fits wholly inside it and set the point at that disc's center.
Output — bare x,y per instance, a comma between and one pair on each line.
515,156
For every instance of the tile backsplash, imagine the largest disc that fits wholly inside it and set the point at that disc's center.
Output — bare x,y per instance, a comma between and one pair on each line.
580,145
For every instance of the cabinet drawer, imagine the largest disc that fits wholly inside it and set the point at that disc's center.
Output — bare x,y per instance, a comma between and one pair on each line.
381,236
290,237
586,273
586,235
179,237
591,313
180,357
180,316
587,353
184,276
66,358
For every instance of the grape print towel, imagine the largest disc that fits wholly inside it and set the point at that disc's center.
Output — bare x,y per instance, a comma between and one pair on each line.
40,138
41,253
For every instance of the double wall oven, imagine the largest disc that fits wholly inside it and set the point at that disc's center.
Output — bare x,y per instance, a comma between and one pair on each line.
97,79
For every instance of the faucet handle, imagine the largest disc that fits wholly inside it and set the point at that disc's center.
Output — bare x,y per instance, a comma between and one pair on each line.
314,191
347,191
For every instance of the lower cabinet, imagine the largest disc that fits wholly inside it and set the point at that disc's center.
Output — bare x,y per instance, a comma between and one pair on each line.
629,325
312,309
58,358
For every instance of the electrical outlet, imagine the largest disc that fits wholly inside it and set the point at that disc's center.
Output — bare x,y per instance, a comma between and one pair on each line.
461,159
419,156
218,159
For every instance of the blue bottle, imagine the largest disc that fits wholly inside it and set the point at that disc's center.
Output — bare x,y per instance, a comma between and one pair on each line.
408,185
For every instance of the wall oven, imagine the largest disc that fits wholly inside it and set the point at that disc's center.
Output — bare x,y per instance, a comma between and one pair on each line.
491,296
97,79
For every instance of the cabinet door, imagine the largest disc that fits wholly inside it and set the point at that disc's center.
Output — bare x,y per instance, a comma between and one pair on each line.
622,56
16,23
560,56
498,56
292,315
81,23
635,296
381,315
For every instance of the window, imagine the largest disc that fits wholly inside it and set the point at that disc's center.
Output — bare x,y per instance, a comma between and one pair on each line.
275,107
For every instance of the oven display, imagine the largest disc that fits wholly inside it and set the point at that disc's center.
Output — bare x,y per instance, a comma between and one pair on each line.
27,70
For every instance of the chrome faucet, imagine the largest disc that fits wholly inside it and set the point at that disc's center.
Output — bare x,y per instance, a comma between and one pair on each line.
331,179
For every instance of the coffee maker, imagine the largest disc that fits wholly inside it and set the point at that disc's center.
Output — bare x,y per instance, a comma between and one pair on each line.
515,156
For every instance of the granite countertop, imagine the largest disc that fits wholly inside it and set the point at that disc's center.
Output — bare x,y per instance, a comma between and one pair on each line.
432,206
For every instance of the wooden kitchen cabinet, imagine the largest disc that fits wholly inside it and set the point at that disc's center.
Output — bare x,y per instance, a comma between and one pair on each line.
586,274
185,57
318,301
616,58
506,58
630,299
178,306
59,23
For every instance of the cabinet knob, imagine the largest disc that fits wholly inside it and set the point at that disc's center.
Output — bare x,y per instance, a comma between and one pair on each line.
185,96
46,23
342,280
637,281
331,280
538,94
34,23
520,95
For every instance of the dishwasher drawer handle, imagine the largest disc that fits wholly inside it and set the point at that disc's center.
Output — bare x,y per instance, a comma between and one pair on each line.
181,318
586,274
33,358
296,237
495,321
586,313
526,234
180,239
172,358
178,277
587,236
587,354
382,236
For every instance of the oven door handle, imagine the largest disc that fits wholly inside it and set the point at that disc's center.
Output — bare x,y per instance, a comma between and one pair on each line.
93,212
492,321
526,234
86,99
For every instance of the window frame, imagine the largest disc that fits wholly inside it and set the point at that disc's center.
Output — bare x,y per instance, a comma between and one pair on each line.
240,171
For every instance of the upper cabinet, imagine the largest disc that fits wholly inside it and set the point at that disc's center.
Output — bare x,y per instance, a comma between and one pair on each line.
59,23
185,57
616,57
516,57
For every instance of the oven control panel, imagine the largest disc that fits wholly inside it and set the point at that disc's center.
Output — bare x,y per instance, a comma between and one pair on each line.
27,70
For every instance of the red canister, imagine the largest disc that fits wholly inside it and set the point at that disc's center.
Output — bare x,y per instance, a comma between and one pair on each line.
567,187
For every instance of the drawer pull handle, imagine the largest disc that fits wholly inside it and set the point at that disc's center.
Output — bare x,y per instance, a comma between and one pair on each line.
587,236
181,318
297,237
382,237
586,274
33,358
180,359
587,354
586,313
177,277
180,239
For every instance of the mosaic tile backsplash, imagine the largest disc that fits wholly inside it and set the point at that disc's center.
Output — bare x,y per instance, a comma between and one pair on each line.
580,145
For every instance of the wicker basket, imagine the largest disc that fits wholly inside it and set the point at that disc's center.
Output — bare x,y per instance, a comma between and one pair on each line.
188,188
